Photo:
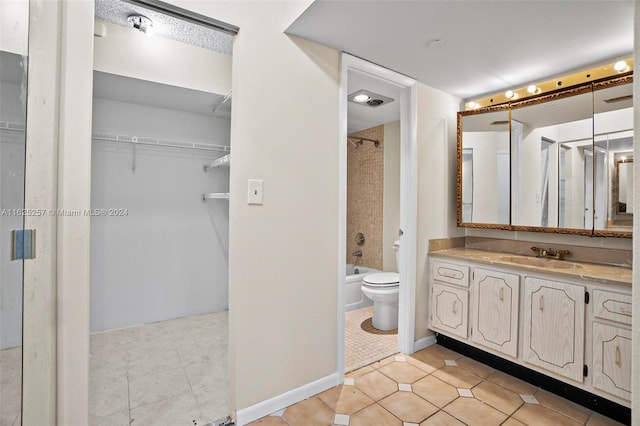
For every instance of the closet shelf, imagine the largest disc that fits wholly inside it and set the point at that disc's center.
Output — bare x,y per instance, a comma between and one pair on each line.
219,162
140,140
215,196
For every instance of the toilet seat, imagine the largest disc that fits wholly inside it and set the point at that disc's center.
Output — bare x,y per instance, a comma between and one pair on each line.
381,280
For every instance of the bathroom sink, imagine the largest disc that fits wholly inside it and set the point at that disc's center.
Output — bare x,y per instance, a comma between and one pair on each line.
541,262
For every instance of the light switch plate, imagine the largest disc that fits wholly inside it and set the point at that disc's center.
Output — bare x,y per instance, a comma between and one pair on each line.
255,189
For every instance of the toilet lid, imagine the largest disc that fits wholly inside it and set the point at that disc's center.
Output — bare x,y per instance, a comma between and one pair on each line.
382,279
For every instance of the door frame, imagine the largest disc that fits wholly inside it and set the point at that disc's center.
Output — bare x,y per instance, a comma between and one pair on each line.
408,201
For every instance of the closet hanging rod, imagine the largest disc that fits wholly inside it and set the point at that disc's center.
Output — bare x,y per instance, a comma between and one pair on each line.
360,141
139,140
215,196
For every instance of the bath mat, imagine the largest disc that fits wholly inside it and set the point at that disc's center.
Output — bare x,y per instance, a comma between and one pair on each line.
367,325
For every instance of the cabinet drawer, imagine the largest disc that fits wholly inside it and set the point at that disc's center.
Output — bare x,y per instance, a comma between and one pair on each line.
451,273
612,306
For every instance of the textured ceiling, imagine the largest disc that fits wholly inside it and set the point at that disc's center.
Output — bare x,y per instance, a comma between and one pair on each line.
116,12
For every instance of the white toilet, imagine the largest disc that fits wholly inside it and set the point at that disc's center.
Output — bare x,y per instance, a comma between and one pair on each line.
383,288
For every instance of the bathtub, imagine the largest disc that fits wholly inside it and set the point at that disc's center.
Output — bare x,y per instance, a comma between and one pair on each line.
354,299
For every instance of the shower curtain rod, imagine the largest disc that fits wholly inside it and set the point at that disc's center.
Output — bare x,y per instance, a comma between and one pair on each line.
138,140
361,140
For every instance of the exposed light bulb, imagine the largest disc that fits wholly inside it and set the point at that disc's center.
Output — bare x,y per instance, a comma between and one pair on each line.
473,105
532,89
508,94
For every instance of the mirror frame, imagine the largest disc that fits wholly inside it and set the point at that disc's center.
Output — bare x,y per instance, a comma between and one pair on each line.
586,87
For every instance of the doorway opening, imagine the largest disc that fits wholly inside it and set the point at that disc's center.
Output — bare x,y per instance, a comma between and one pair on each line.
377,214
160,222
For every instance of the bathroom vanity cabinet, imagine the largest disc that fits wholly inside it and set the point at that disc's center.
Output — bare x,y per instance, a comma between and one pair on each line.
555,321
495,310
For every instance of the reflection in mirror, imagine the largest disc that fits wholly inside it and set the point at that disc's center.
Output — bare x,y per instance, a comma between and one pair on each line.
550,145
13,109
485,168
613,158
623,185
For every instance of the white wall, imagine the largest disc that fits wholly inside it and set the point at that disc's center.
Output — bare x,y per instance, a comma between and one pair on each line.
391,207
168,256
436,185
282,254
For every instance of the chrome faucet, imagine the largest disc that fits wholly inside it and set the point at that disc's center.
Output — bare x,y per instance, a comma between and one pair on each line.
357,253
557,254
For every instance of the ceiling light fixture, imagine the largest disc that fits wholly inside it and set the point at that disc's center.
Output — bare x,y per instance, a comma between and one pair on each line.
141,23
621,66
361,98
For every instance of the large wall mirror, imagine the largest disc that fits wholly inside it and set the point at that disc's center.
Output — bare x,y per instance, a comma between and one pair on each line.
560,162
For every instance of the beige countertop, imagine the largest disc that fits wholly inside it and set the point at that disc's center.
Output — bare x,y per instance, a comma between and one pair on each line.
595,273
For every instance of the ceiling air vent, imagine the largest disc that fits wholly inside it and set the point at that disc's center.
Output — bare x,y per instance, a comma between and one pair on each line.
368,98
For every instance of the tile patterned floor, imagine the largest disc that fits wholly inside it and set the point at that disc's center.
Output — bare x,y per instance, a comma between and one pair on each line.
363,345
166,373
433,387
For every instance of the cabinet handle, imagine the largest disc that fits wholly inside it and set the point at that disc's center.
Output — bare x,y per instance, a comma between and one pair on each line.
501,293
542,302
454,307
618,356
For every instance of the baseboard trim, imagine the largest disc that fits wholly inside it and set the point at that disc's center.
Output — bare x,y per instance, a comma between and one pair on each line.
271,405
423,343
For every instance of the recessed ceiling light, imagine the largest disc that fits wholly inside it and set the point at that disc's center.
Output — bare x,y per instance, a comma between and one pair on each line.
361,98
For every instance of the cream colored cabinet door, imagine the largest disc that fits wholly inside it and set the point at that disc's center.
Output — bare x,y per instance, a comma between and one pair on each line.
449,309
495,296
612,360
554,327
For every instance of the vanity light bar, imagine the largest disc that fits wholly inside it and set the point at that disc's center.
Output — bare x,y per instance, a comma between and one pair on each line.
618,68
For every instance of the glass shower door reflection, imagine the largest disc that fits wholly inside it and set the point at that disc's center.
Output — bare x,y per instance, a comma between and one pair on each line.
13,91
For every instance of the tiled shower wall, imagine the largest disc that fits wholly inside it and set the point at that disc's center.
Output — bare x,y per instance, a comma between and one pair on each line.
365,189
